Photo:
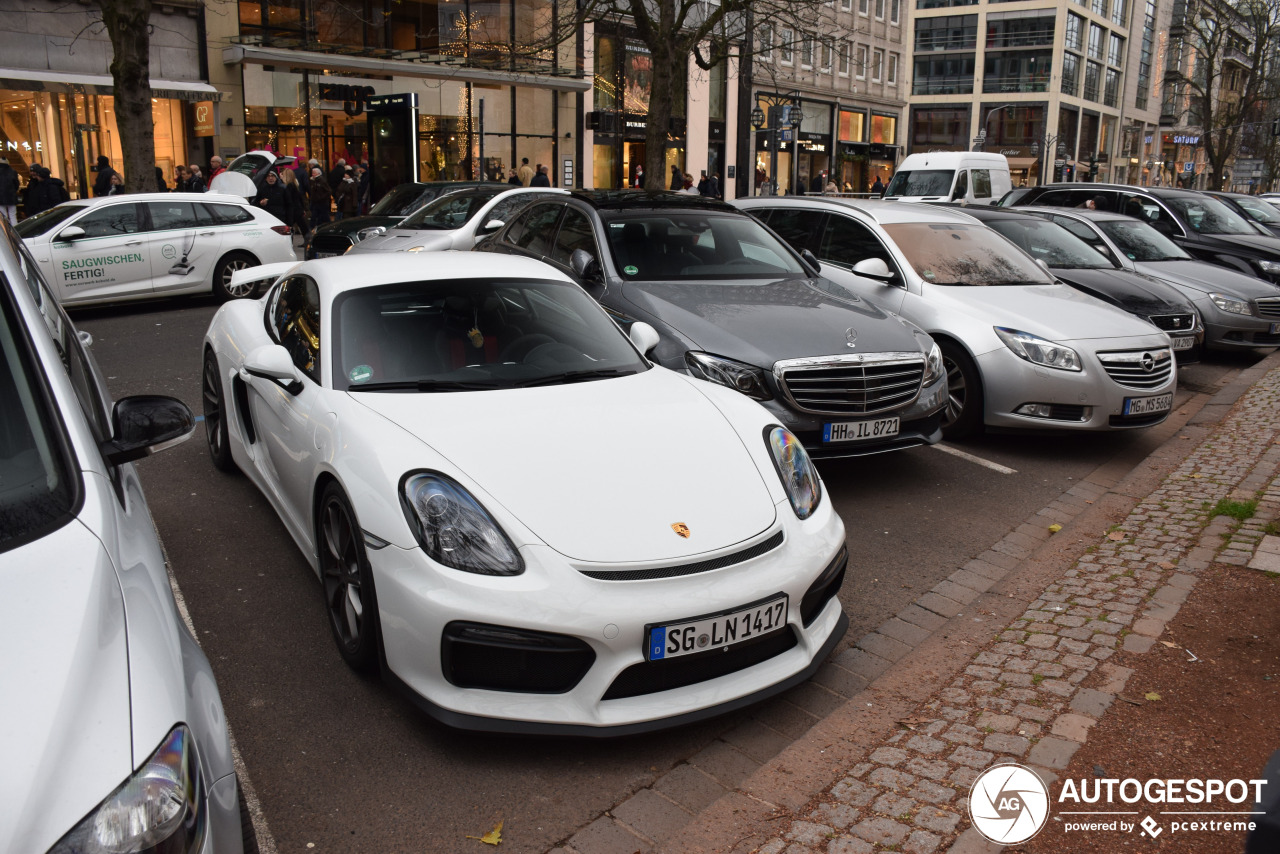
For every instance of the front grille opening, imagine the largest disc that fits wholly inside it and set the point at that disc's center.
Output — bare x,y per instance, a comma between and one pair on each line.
498,658
1269,307
688,568
1141,369
1138,420
666,674
856,388
822,590
1174,322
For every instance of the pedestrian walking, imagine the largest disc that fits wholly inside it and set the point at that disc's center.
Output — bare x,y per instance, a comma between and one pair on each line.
514,179
677,177
51,192
215,167
877,188
362,186
345,197
195,181
320,198
525,171
704,184
296,209
161,186
336,174
271,198
9,185
117,185
102,184
541,179
715,185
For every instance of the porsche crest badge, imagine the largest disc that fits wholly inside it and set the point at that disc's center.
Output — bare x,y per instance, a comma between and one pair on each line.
681,529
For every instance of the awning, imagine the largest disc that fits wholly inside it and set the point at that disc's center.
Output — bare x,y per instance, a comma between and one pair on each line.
101,84
1022,162
316,61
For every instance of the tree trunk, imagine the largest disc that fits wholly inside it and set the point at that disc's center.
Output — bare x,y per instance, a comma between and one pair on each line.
661,97
128,23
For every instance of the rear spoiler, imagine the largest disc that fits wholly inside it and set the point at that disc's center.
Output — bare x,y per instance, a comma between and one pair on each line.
262,272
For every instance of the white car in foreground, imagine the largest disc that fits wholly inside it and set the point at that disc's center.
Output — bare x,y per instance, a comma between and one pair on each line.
514,514
129,247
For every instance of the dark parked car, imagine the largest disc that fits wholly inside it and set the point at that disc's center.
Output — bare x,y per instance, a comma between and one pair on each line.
735,305
1086,268
1207,228
335,238
1258,210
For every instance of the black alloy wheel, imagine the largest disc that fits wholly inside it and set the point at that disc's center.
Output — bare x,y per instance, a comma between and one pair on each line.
348,582
963,414
216,434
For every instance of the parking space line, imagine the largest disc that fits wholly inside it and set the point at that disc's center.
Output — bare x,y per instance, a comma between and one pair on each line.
956,452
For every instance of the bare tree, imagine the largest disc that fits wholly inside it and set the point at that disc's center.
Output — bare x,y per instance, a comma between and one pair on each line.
675,30
1221,74
128,24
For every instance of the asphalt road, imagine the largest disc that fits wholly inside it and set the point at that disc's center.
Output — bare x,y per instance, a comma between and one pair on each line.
348,765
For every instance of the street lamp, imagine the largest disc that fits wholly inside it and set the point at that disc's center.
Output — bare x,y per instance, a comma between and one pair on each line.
1048,146
796,117
757,122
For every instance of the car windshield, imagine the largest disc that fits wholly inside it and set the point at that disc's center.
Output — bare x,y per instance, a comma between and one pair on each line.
1258,209
1051,243
34,226
451,211
1207,215
964,254
36,493
473,335
702,245
1141,242
921,182
402,200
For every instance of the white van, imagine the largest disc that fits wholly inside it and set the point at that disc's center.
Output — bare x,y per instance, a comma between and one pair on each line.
951,176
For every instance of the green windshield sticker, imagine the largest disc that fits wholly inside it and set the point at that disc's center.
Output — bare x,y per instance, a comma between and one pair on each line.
361,374
630,270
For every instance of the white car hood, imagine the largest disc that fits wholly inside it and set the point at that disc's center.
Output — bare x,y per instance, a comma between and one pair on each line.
1056,312
65,731
399,239
599,470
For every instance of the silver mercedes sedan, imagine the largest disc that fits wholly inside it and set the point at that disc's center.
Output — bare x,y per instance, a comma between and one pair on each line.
112,734
1021,349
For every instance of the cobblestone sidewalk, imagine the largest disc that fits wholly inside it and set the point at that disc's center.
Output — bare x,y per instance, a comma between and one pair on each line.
1032,693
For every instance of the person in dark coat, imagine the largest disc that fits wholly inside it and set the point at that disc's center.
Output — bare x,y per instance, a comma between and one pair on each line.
320,198
540,179
345,199
704,184
102,184
877,189
8,192
44,193
293,196
677,178
336,174
272,198
117,185
161,186
32,199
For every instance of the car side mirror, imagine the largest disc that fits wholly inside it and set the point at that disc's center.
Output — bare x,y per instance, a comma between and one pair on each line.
374,231
644,336
585,266
811,262
490,227
70,233
146,423
873,268
273,362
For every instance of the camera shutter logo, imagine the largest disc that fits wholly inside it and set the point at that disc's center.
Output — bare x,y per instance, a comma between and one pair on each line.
1008,804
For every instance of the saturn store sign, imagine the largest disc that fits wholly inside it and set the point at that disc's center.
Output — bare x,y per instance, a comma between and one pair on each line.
204,121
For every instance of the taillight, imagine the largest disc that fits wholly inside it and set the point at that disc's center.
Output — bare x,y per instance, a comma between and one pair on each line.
280,229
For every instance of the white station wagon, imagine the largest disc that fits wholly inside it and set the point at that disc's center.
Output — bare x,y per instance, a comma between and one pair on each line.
144,245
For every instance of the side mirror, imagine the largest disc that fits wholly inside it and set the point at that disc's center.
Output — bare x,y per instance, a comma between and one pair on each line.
644,336
490,227
273,362
375,231
70,233
873,268
585,266
811,262
144,424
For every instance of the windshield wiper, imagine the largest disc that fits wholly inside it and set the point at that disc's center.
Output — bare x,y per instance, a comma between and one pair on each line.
424,385
575,376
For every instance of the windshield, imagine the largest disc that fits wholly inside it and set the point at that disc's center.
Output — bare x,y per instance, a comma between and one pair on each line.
1052,244
1141,242
451,211
1259,210
403,200
36,494
1207,215
474,334
249,164
702,245
963,254
921,182
34,226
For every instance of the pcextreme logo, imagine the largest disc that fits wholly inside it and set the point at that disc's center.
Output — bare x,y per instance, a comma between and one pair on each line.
1008,804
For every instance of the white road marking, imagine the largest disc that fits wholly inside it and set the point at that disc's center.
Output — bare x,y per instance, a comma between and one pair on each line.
956,452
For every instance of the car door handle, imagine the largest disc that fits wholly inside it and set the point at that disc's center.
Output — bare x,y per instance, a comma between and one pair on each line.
207,233
134,243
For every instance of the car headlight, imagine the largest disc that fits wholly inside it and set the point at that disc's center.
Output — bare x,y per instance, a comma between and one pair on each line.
933,368
1268,266
799,477
736,375
453,528
367,233
161,808
1231,304
1039,351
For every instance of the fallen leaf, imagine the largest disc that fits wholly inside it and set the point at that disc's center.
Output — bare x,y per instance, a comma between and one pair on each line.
1055,528
1115,535
1153,696
1164,564
914,721
493,837
1170,645
1131,700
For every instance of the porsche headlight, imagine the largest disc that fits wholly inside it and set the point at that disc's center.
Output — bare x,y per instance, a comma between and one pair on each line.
736,375
1038,350
454,529
799,477
160,809
933,368
1232,305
